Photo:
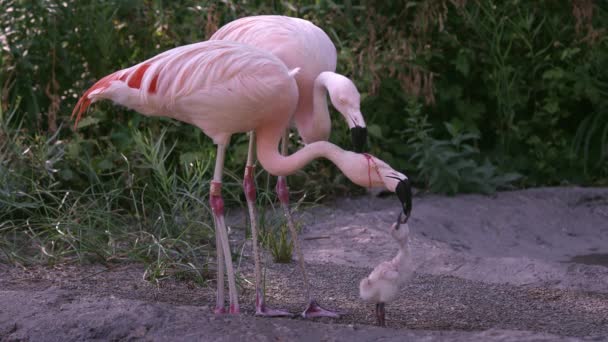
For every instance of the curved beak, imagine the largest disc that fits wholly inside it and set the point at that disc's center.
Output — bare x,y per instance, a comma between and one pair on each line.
359,138
404,193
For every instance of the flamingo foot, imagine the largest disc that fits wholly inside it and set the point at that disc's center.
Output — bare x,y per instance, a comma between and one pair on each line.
219,310
262,310
314,310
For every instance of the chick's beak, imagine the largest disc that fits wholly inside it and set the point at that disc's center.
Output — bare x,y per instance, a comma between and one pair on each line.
359,138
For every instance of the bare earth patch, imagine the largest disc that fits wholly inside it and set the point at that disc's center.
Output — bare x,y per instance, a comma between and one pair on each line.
519,266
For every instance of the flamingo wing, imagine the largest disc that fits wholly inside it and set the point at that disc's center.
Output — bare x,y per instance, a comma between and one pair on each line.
200,84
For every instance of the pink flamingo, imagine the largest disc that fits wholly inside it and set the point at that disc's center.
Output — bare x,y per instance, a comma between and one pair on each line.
225,88
298,43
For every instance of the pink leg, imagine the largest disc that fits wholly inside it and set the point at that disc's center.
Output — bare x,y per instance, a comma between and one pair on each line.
313,309
250,194
219,303
223,248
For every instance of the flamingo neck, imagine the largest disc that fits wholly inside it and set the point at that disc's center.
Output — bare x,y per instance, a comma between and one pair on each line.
279,165
316,126
403,256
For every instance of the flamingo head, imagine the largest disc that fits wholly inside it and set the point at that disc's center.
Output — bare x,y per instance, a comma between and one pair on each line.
374,172
400,230
403,190
346,99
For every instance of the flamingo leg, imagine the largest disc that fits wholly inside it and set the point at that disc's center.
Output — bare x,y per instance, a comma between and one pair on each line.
250,194
223,248
219,304
313,309
380,314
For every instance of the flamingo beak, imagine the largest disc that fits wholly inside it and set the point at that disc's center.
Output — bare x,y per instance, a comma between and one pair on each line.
404,193
401,219
359,138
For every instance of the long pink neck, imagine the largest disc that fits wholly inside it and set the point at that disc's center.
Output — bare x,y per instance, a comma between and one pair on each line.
319,100
312,119
279,165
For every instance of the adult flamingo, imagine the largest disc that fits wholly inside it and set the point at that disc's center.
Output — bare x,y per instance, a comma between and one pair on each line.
298,43
225,88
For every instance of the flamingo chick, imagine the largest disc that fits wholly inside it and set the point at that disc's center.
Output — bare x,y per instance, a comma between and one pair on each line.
225,88
385,281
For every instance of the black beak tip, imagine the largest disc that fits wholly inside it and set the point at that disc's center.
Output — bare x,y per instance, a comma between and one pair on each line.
404,193
359,138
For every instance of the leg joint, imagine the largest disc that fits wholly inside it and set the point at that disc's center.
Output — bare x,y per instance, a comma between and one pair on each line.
249,184
215,198
282,190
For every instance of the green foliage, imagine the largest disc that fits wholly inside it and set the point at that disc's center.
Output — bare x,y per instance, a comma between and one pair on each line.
145,210
591,141
279,245
463,96
273,230
537,79
37,214
451,165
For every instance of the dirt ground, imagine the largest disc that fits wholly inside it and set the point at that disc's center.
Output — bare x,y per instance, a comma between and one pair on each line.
526,265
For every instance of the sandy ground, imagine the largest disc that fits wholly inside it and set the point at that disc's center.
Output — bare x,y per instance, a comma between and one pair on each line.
519,266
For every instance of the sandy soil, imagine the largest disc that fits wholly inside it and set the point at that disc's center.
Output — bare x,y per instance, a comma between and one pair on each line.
519,266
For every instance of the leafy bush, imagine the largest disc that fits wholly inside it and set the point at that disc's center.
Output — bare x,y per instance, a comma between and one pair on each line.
524,76
451,165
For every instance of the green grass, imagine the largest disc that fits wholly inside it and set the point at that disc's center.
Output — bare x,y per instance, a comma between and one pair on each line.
145,208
